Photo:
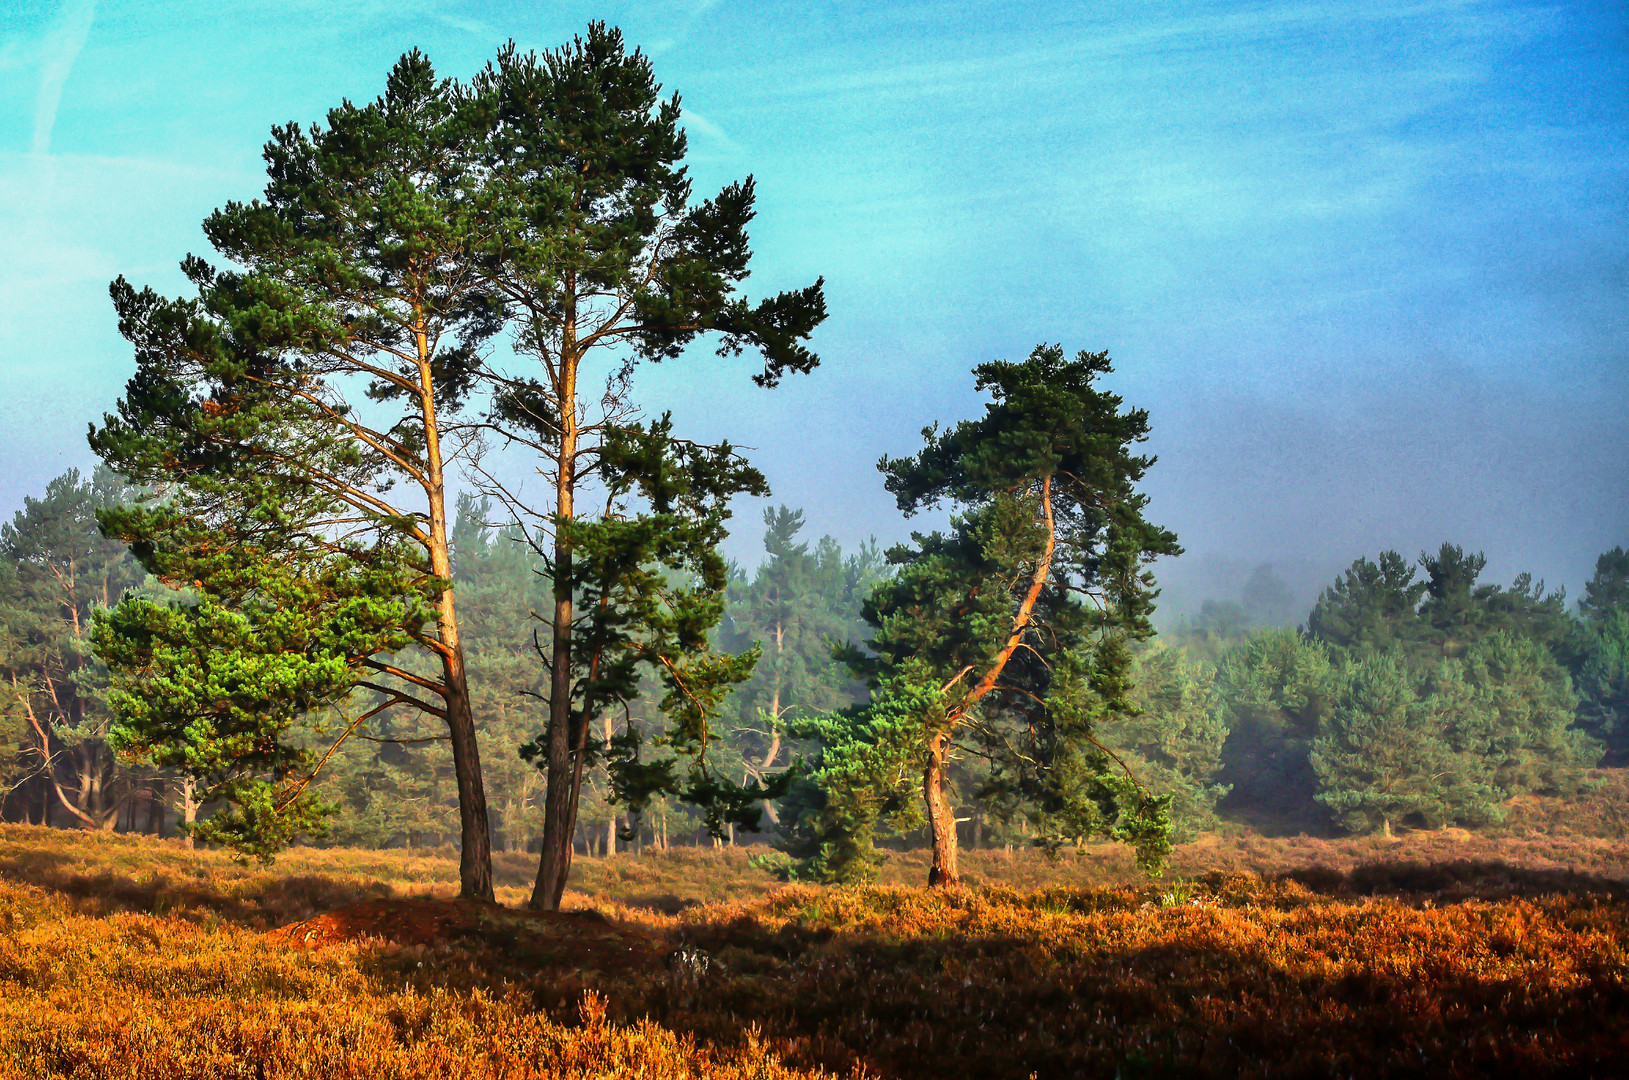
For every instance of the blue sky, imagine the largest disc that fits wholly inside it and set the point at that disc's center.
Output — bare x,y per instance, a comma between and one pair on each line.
1364,263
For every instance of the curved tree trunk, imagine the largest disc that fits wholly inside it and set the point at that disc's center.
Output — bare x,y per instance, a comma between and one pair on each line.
941,815
944,870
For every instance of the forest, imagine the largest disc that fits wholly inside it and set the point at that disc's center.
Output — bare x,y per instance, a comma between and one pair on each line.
391,657
1413,695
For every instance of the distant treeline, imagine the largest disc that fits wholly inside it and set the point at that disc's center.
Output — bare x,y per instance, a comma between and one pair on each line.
1413,695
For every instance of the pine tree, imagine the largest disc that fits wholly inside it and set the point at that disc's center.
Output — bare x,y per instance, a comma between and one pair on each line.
57,571
793,610
1607,591
1597,655
1385,756
1372,607
357,269
982,643
599,252
1515,716
1279,690
1173,741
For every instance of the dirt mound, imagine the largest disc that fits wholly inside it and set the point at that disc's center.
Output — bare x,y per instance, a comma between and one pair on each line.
541,938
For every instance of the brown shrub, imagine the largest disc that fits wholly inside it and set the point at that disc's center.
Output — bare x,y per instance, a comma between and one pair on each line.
1437,953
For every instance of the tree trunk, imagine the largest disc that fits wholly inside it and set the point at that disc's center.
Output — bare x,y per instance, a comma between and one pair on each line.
89,820
565,757
92,797
559,798
941,815
774,742
189,809
475,836
941,818
611,817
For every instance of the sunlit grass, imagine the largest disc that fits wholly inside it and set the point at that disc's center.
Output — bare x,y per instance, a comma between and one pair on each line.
125,956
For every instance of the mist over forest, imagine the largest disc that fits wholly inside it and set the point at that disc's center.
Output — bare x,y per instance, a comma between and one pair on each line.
1413,692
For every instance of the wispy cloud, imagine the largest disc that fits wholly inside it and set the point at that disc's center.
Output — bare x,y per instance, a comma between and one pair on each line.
468,26
694,121
61,49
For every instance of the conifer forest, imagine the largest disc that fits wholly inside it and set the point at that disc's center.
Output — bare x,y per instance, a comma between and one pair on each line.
409,689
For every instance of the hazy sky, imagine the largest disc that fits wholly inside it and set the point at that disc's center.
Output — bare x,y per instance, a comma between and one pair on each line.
1364,263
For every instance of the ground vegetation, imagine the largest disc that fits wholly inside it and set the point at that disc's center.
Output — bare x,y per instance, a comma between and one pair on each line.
1378,959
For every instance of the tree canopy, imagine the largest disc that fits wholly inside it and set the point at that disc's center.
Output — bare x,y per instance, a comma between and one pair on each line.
274,491
1008,636
597,251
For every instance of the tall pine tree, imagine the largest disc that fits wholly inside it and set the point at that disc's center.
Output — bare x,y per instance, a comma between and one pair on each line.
601,253
356,270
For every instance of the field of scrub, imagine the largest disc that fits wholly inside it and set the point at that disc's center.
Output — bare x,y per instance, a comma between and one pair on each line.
1436,953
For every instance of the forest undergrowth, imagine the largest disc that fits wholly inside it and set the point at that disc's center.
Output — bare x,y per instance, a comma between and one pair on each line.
1438,953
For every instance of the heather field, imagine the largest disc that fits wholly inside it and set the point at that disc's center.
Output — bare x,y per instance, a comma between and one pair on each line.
1435,954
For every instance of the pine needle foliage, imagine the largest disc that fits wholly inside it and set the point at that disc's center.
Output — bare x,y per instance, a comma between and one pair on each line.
1008,636
599,253
311,530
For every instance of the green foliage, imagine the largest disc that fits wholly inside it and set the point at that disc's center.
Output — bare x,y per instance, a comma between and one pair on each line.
1598,654
649,584
795,608
1460,611
595,245
1447,744
1173,741
1607,591
1386,756
1049,514
226,684
1278,690
1513,708
1452,698
310,534
1372,607
864,769
56,571
594,240
1601,674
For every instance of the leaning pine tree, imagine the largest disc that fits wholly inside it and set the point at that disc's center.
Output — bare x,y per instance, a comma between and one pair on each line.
598,252
1007,637
308,530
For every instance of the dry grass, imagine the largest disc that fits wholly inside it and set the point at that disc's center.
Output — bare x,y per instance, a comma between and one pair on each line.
1439,954
105,872
1600,810
143,996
